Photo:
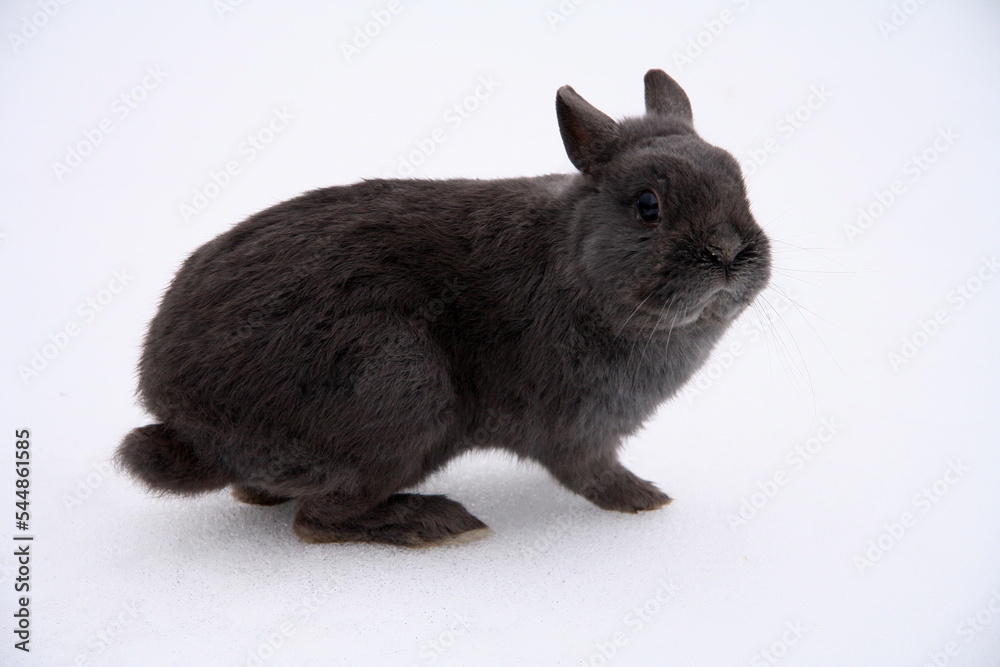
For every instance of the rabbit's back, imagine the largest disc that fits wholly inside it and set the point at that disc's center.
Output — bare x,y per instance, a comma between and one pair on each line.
276,307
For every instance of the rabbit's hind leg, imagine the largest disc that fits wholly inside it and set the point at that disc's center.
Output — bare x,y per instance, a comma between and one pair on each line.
252,495
403,519
396,426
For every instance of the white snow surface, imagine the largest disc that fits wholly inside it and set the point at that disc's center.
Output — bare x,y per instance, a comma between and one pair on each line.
878,546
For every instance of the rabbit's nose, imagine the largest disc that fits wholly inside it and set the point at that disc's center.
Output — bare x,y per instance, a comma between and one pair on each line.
724,248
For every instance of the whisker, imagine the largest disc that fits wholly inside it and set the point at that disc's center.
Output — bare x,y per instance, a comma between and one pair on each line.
778,217
756,136
628,358
795,370
657,326
788,297
669,333
823,343
816,285
622,327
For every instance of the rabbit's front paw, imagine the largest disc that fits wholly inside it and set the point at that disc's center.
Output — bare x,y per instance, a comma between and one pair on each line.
622,491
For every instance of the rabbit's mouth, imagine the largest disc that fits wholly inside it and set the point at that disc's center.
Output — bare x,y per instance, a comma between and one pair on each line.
718,309
721,311
720,306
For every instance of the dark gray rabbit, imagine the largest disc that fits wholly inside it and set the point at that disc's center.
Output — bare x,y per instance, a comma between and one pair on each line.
337,348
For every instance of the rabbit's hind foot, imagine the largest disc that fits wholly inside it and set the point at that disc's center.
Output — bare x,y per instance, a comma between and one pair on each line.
403,519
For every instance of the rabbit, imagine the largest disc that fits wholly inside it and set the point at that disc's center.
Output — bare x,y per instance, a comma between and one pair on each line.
336,349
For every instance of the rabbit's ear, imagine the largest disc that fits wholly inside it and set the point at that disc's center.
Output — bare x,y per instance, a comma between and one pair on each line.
586,132
665,96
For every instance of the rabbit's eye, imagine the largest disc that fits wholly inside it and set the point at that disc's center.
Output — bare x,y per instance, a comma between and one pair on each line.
647,205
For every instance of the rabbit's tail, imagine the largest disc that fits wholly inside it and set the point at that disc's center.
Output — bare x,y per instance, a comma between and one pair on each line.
157,456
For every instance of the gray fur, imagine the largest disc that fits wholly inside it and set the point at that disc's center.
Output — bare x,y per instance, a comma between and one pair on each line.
337,348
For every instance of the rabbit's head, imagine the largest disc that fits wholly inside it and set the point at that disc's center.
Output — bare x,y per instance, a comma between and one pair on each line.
661,230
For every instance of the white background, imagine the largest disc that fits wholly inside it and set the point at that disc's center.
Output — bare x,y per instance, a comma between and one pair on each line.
122,578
